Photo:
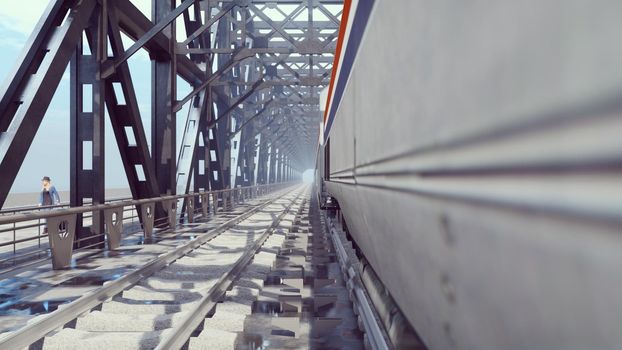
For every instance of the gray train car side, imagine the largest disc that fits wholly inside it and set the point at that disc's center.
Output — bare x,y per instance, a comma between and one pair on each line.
476,157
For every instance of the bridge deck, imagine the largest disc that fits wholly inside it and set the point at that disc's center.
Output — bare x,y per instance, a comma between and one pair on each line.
290,294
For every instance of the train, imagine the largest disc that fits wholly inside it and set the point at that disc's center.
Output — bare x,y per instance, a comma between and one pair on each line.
472,149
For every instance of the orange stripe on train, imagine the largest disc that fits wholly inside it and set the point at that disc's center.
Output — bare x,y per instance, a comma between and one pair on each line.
342,33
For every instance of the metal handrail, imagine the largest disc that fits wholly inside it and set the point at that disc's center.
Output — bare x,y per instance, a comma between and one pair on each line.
9,219
5,211
221,198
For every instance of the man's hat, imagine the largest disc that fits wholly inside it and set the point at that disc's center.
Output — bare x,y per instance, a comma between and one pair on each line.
46,178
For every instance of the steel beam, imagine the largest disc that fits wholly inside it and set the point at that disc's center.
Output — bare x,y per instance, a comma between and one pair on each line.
135,24
247,41
127,124
28,92
163,97
87,99
272,166
164,13
262,161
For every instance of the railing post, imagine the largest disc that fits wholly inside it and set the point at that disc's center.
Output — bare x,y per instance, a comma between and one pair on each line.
190,209
147,211
114,226
61,232
215,203
205,205
171,208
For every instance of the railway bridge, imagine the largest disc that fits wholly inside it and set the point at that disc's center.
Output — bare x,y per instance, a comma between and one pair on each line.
310,174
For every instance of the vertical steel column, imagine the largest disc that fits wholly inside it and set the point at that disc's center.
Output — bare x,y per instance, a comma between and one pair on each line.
87,99
122,107
241,157
272,178
284,175
249,151
201,167
262,161
163,96
250,156
246,158
286,169
216,173
279,166
221,133
223,126
199,142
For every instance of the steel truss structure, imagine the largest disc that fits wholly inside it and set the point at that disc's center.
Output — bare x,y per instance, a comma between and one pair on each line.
255,68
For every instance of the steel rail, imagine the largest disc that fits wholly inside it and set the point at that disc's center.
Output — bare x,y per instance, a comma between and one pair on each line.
374,331
182,333
38,329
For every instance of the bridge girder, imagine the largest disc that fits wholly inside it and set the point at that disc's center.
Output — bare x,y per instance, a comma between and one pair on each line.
255,67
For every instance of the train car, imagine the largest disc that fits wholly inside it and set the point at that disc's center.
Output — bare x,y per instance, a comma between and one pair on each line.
472,149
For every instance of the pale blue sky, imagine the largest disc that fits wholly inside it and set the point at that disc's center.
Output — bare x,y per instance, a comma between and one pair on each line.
49,152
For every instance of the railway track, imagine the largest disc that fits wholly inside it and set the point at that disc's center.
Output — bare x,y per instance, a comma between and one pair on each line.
292,296
162,303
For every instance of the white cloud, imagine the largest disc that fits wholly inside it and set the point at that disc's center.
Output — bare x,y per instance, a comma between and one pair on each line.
21,17
143,5
11,41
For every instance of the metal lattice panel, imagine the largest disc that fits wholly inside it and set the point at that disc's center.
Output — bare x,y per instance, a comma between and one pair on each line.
255,69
